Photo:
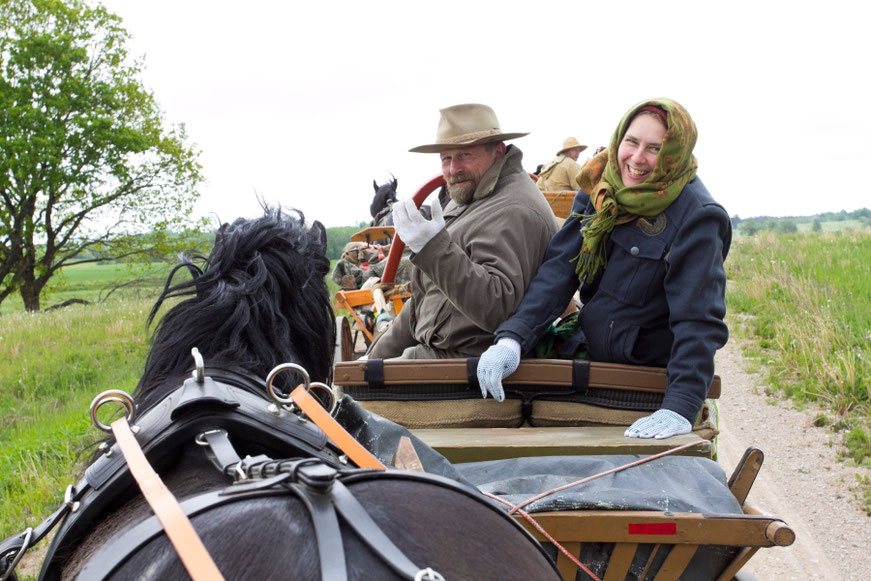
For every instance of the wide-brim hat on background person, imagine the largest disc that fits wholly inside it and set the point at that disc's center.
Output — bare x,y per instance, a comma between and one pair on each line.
570,143
463,125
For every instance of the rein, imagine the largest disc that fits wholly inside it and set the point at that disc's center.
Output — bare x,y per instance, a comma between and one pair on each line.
178,527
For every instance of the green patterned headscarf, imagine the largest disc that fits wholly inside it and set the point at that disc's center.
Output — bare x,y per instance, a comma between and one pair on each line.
617,204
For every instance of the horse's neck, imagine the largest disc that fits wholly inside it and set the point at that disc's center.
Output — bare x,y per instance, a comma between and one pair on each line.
191,474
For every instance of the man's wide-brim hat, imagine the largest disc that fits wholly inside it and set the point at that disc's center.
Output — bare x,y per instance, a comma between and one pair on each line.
463,125
570,143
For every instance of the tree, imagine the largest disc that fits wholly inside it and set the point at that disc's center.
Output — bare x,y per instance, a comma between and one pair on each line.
817,226
787,227
86,164
749,227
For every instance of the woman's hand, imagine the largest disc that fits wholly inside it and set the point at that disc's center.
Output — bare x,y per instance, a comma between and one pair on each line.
498,362
661,424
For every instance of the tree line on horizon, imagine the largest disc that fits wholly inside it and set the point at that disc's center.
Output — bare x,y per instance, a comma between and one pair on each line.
789,224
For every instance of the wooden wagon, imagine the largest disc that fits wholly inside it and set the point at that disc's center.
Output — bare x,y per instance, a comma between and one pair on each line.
617,544
573,408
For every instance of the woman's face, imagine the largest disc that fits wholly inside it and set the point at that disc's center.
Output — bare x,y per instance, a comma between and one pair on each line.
639,149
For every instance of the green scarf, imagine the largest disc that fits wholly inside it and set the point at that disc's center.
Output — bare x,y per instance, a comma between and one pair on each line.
617,204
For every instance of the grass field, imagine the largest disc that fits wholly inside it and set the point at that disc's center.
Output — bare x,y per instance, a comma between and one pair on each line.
803,304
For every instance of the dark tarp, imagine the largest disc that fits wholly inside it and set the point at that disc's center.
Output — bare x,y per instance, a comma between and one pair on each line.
672,483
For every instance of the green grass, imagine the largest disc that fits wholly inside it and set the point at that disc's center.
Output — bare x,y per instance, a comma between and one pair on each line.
805,307
51,366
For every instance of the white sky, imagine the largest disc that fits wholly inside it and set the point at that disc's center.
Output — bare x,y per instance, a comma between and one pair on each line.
306,102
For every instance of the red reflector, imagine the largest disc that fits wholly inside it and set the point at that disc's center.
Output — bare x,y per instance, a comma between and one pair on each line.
664,528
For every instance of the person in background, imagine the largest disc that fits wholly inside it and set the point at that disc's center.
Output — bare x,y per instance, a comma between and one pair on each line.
474,259
647,249
561,174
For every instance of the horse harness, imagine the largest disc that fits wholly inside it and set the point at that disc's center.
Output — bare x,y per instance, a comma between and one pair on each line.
209,408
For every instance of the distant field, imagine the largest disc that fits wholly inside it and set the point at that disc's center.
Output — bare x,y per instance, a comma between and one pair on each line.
93,281
833,226
804,303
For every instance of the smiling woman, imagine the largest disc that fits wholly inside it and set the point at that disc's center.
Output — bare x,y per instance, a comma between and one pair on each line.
646,243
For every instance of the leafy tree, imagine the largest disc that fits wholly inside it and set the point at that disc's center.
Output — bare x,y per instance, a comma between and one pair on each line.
749,227
338,236
787,226
86,165
817,226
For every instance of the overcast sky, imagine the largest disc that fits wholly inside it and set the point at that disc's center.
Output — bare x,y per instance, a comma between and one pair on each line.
306,103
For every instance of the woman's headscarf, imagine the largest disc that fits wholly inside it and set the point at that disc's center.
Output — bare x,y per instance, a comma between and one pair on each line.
617,204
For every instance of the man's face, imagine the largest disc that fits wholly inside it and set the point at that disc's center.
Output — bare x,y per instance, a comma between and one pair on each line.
574,153
463,168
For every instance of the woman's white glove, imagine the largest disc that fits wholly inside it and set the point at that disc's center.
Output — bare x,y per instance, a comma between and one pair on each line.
412,227
497,362
661,424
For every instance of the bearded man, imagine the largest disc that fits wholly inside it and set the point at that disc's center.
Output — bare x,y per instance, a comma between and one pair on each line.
474,259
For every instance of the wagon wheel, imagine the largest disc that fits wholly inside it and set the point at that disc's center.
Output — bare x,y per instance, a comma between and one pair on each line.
344,341
397,246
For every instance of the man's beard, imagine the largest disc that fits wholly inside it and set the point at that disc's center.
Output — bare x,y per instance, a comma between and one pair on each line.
461,193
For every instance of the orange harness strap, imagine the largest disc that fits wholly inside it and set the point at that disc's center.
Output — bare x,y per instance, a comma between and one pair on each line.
340,437
178,527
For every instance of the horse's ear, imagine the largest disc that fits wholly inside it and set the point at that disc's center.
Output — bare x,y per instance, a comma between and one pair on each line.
375,185
319,233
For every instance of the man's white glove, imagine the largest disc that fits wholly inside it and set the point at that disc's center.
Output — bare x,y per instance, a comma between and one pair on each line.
661,424
412,227
498,362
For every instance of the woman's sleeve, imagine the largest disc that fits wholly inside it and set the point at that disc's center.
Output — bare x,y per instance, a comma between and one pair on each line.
554,284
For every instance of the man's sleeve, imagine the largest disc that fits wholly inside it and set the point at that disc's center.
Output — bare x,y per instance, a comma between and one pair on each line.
393,342
486,280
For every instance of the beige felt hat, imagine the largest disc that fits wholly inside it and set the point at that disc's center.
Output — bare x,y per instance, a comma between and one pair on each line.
462,125
571,143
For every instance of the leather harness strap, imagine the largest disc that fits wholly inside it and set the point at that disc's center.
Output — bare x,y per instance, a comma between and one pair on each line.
334,431
181,533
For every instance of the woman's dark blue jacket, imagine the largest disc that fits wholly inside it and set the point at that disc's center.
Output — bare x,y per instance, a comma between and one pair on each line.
660,300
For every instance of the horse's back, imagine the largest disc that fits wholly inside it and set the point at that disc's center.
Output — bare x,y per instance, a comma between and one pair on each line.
453,533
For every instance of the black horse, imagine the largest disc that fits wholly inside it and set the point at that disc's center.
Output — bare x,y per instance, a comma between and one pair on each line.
385,197
258,300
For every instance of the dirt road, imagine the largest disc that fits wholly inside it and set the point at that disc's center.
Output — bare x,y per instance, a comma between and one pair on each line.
800,482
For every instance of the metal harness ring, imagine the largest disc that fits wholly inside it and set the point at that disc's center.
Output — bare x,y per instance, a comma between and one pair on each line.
112,396
279,397
334,400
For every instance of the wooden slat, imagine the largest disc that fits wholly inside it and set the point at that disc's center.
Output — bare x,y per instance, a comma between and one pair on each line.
676,562
612,526
566,567
478,444
560,202
544,372
744,476
739,561
621,559
372,233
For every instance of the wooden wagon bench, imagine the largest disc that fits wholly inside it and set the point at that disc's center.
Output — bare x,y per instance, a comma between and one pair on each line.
561,409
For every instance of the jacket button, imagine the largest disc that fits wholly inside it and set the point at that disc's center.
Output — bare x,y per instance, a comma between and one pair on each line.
634,251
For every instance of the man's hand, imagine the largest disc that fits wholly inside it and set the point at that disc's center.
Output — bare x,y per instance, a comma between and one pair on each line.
498,362
661,424
412,227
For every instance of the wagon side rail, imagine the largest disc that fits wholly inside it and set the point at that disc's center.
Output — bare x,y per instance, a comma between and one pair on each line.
680,534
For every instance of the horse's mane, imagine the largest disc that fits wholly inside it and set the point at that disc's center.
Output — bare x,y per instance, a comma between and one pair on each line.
258,299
